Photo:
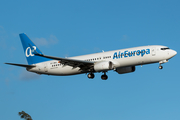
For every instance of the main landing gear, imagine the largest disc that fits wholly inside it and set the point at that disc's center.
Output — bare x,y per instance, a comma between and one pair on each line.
103,77
90,75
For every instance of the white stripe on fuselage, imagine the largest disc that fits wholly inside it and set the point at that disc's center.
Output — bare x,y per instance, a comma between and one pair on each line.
152,54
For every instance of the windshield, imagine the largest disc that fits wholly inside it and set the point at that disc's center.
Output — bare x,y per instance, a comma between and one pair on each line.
164,48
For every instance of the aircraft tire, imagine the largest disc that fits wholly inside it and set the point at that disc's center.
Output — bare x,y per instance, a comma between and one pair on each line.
90,75
104,77
160,67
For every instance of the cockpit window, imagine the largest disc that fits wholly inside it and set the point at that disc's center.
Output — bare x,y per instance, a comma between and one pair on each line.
164,48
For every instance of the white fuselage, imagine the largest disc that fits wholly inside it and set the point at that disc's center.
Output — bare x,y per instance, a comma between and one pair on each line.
119,58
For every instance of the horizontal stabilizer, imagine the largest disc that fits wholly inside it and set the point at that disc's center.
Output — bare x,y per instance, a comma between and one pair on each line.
21,65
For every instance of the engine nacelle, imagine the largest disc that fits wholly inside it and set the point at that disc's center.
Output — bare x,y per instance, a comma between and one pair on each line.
125,70
103,66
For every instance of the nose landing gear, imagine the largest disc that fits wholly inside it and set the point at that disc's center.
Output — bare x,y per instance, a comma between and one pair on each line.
161,62
160,67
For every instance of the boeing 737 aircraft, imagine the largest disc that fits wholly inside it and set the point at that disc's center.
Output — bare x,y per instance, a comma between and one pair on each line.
122,61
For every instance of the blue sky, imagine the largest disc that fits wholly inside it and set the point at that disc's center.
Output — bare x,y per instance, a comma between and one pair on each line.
70,28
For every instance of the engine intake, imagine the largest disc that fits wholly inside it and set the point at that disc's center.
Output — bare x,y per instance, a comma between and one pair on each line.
125,70
103,66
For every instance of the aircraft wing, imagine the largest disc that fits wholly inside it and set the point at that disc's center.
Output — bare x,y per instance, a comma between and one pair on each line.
84,65
21,65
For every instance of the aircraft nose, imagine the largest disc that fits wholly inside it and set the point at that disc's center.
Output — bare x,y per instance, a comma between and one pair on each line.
174,52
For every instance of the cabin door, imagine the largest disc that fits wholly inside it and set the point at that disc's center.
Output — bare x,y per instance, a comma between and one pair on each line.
153,51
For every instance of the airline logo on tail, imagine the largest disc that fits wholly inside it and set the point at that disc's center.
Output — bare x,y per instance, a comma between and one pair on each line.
29,52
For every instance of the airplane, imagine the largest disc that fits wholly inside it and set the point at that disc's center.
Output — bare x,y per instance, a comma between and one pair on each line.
122,60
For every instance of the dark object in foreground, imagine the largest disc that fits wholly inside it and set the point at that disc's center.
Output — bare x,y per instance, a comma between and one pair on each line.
25,115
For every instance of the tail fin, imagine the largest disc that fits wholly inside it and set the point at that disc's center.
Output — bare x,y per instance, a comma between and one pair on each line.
29,48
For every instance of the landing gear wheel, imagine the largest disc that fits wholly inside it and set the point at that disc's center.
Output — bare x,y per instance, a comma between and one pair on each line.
104,77
90,75
160,67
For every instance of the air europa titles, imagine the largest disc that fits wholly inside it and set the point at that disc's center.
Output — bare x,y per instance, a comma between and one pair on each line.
127,53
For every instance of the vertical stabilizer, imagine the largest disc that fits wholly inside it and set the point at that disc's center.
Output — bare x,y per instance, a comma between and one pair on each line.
29,49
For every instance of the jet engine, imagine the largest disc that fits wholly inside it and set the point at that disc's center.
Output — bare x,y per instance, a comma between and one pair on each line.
125,70
103,66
